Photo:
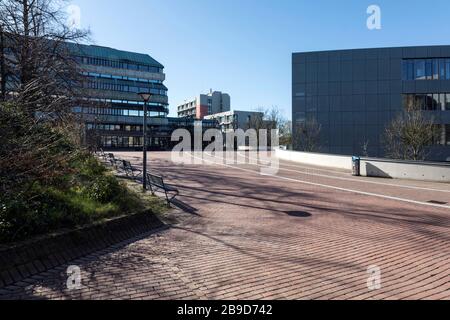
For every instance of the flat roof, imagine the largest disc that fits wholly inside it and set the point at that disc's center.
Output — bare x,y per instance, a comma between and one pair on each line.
374,48
95,51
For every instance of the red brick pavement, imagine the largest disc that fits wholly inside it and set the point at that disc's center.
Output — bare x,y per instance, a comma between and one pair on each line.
259,237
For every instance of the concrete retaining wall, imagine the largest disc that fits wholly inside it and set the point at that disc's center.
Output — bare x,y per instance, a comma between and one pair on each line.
405,170
372,167
316,159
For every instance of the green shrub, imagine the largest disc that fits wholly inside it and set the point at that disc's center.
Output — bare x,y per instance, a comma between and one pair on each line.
48,182
85,194
103,189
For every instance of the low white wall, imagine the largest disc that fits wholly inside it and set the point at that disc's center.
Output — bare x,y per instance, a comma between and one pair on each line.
316,159
405,170
383,168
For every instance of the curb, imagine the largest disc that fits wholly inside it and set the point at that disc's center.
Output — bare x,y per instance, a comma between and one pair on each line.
25,259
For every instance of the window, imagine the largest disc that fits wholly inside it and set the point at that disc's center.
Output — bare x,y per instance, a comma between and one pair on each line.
426,69
441,102
435,69
420,101
405,64
410,70
419,67
447,134
429,69
430,101
447,69
441,69
435,103
439,137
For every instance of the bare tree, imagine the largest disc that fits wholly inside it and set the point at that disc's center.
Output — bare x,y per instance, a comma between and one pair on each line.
365,148
286,133
409,134
3,72
306,136
269,119
256,121
39,78
41,72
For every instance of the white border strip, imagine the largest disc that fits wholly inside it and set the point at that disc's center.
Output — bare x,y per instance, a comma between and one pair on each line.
347,179
330,187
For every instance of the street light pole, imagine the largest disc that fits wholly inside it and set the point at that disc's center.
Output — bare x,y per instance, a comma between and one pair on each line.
146,97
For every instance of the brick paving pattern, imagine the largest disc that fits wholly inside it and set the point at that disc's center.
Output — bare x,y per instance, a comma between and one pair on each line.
249,236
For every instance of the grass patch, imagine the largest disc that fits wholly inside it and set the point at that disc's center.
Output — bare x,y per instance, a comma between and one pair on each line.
90,193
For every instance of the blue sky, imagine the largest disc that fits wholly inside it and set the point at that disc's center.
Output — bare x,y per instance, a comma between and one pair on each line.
244,47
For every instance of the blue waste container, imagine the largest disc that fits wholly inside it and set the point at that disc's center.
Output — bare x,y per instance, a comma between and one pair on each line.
356,166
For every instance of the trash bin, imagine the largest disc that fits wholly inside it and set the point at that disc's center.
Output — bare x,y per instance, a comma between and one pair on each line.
356,166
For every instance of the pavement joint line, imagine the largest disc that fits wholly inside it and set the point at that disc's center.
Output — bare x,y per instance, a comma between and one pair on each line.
328,186
349,179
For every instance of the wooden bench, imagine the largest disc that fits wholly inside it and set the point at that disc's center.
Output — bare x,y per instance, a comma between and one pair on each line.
130,170
157,183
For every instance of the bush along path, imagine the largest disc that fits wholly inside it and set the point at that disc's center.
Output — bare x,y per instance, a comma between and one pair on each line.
48,182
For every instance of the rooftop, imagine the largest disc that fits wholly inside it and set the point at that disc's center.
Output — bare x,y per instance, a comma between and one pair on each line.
113,54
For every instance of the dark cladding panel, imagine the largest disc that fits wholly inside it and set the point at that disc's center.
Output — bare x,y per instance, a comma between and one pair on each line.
355,93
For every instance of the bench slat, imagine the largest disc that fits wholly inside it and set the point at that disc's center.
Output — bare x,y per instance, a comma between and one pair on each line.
158,182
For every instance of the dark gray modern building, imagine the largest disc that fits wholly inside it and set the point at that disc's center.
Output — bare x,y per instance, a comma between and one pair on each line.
354,94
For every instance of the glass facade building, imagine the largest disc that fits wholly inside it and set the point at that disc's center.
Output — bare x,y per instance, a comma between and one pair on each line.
112,109
355,94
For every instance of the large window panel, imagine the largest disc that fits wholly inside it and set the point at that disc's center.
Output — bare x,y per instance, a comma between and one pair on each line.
447,134
429,101
410,70
436,105
429,69
426,69
419,69
405,64
420,101
447,69
435,69
441,102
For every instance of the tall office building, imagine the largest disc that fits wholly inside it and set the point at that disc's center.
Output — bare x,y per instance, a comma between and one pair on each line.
204,105
113,110
355,94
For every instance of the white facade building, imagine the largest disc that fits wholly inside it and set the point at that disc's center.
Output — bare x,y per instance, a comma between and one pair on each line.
204,105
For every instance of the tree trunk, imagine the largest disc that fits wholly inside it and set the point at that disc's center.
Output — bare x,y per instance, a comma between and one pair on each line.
2,66
25,54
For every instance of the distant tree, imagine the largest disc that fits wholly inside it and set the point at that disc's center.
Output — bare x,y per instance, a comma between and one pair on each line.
365,148
409,134
306,136
268,119
286,133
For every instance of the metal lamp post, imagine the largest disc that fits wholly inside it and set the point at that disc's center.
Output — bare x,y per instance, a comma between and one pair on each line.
146,97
